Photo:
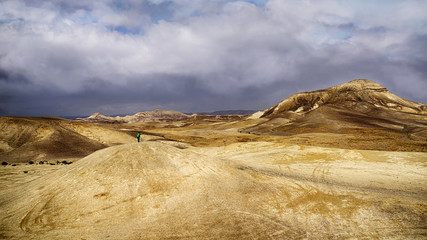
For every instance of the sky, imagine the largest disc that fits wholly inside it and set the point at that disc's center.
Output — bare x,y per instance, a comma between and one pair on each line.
74,58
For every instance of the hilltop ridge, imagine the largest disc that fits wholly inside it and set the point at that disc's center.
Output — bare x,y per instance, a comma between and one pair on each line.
157,115
350,95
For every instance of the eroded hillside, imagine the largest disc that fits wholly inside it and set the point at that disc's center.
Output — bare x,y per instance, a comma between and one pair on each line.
26,139
358,114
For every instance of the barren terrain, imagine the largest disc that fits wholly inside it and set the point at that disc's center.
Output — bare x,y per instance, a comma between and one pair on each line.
316,168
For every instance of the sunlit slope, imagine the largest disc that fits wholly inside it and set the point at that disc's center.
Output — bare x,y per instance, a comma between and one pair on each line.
30,138
360,94
251,190
366,114
130,191
149,116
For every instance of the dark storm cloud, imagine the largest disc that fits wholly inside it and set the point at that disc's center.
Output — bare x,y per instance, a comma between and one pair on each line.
78,57
162,92
4,76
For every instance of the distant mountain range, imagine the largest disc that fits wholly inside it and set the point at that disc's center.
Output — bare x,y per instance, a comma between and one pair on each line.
151,116
165,116
230,112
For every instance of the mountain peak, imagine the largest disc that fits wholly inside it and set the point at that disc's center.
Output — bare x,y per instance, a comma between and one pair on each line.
362,84
362,81
96,115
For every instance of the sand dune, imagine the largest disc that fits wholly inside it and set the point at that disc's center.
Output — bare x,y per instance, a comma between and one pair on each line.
249,190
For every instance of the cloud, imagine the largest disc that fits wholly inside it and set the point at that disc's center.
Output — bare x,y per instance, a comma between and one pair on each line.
196,55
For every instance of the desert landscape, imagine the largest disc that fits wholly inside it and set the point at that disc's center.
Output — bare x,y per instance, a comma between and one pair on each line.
348,161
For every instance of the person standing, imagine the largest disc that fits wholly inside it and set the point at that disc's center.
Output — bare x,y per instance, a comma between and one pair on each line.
138,135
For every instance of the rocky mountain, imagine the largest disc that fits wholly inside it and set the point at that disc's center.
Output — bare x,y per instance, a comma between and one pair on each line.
361,108
360,94
150,116
167,116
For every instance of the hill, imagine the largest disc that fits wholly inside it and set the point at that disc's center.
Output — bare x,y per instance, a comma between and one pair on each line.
362,114
44,138
247,190
150,116
361,95
122,192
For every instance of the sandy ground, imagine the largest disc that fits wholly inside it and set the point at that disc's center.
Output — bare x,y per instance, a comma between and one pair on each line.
246,190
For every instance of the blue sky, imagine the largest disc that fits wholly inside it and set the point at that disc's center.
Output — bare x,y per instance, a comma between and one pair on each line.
63,57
